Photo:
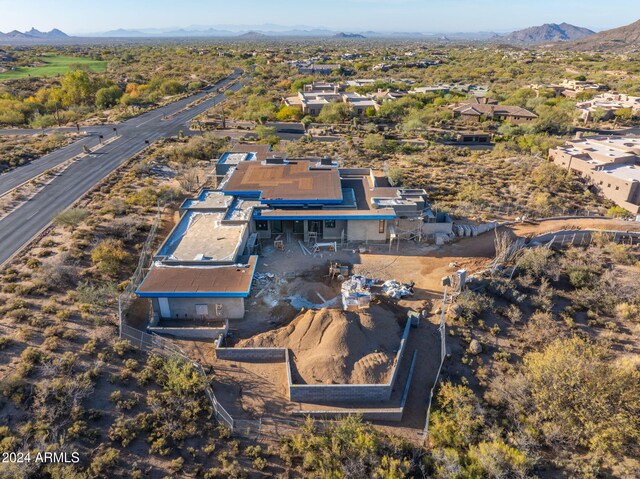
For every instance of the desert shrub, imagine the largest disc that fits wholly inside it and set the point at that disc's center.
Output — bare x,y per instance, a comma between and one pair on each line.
618,212
58,272
535,261
15,388
125,228
459,417
71,218
347,446
180,377
104,461
497,459
580,277
101,294
109,256
123,431
470,304
575,397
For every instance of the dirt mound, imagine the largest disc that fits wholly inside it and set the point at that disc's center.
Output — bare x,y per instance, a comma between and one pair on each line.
331,346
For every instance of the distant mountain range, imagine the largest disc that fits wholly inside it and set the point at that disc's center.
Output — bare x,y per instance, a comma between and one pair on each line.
622,38
564,35
34,34
348,35
547,33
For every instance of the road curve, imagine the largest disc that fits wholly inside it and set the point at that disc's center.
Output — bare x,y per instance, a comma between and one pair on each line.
19,227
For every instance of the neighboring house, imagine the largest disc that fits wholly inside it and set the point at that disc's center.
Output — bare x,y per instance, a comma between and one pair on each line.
477,109
580,86
475,90
204,268
429,89
319,69
387,95
611,165
568,88
608,103
361,82
316,95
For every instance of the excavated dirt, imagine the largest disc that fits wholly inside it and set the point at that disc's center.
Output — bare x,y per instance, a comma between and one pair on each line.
331,346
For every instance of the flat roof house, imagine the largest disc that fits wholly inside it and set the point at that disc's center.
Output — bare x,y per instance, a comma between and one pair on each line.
204,268
317,95
610,165
609,103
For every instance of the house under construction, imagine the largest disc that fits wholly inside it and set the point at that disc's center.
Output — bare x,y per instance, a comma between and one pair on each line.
205,267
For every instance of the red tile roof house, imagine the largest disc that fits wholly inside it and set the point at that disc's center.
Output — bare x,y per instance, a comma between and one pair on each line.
204,269
477,109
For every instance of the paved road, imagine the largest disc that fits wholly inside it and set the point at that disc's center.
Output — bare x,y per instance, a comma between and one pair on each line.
19,227
54,129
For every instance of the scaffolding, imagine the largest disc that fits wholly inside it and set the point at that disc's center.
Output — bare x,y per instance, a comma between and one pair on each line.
410,231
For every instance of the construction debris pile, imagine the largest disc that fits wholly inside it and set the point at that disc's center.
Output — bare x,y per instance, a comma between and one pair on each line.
356,293
331,346
395,290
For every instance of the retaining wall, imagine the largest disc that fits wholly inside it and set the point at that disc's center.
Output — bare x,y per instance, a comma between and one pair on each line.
324,393
391,415
195,333
245,354
320,393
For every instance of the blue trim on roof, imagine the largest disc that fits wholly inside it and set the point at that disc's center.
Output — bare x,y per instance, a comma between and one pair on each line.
212,294
318,201
243,193
323,217
208,294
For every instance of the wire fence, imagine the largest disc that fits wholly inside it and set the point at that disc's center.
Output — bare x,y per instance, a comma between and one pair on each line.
443,355
509,210
153,343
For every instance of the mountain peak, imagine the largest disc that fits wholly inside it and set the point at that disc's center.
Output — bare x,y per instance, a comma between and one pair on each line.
547,33
621,38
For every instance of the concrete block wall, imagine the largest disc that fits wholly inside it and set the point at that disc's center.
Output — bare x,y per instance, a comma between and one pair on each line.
339,392
433,228
398,358
321,393
391,415
244,354
194,333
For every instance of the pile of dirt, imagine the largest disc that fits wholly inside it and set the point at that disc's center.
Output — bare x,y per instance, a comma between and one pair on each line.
331,346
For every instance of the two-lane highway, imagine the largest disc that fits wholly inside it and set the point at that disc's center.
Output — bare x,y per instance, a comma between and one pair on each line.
19,227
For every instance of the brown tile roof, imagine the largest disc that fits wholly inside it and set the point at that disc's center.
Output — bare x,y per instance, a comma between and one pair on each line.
477,109
295,180
176,280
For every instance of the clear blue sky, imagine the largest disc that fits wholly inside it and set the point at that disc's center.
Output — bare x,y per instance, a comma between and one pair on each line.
82,16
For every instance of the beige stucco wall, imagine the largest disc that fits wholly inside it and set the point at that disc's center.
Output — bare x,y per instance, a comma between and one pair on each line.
366,230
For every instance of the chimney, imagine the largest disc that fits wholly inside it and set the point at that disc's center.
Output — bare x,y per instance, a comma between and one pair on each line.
578,135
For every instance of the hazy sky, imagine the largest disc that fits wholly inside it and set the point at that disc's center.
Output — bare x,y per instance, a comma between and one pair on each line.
82,16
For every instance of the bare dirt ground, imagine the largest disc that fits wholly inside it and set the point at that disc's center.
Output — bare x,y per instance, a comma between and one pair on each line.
292,280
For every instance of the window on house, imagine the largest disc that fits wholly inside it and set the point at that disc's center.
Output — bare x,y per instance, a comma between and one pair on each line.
381,226
276,227
329,223
262,225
